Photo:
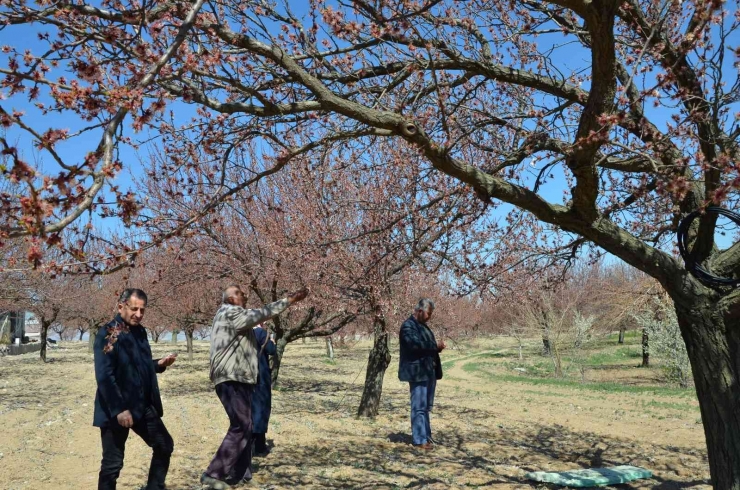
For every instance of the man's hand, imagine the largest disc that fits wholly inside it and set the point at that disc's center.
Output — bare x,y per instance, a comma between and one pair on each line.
441,345
167,360
125,419
298,295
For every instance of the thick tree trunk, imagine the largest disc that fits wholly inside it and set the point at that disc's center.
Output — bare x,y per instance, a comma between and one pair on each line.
645,348
329,348
189,341
621,335
44,336
173,339
380,359
280,343
713,346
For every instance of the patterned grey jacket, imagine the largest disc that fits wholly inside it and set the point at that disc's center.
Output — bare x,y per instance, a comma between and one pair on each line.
234,349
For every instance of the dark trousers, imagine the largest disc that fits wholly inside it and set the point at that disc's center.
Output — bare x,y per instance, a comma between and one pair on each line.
233,460
152,430
260,442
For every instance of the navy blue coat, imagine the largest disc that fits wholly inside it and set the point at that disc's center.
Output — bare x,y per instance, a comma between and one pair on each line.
262,396
419,356
126,376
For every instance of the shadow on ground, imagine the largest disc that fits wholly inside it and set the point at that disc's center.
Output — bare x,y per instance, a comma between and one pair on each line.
473,449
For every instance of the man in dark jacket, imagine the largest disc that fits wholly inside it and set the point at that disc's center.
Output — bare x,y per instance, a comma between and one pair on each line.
128,394
419,364
262,395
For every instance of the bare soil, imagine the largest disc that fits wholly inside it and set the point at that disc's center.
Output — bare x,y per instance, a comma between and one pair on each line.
495,418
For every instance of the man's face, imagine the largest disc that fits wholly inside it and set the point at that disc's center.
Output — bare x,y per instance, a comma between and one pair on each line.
425,315
132,311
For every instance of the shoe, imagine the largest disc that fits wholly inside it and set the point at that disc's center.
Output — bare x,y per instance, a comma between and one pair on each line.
213,483
427,446
243,481
261,452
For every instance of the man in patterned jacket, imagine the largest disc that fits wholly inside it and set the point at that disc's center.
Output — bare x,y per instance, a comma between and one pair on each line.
235,371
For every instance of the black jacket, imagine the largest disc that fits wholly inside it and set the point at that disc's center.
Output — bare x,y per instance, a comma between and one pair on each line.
419,356
126,375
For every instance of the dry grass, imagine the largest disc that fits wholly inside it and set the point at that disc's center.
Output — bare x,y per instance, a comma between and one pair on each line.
493,423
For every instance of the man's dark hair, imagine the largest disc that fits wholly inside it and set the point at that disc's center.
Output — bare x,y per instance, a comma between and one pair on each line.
129,292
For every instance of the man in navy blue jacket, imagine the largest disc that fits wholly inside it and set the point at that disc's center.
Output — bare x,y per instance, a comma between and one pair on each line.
419,364
128,393
262,394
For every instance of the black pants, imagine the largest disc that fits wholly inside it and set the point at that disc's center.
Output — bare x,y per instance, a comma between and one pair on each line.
233,460
152,430
260,442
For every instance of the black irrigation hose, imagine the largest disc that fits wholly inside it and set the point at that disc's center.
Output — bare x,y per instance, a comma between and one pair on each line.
692,266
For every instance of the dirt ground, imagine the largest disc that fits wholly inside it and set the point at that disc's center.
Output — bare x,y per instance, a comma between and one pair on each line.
495,419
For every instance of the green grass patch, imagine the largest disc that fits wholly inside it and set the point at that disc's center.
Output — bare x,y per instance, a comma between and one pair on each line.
546,393
628,335
616,356
683,407
606,387
450,364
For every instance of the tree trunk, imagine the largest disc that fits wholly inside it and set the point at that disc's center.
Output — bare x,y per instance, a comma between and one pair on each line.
280,343
174,336
645,348
621,335
5,330
546,348
557,363
82,332
713,346
378,362
44,336
92,333
544,324
329,348
189,341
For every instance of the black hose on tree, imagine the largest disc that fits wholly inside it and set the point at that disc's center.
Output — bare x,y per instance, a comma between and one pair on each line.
692,266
